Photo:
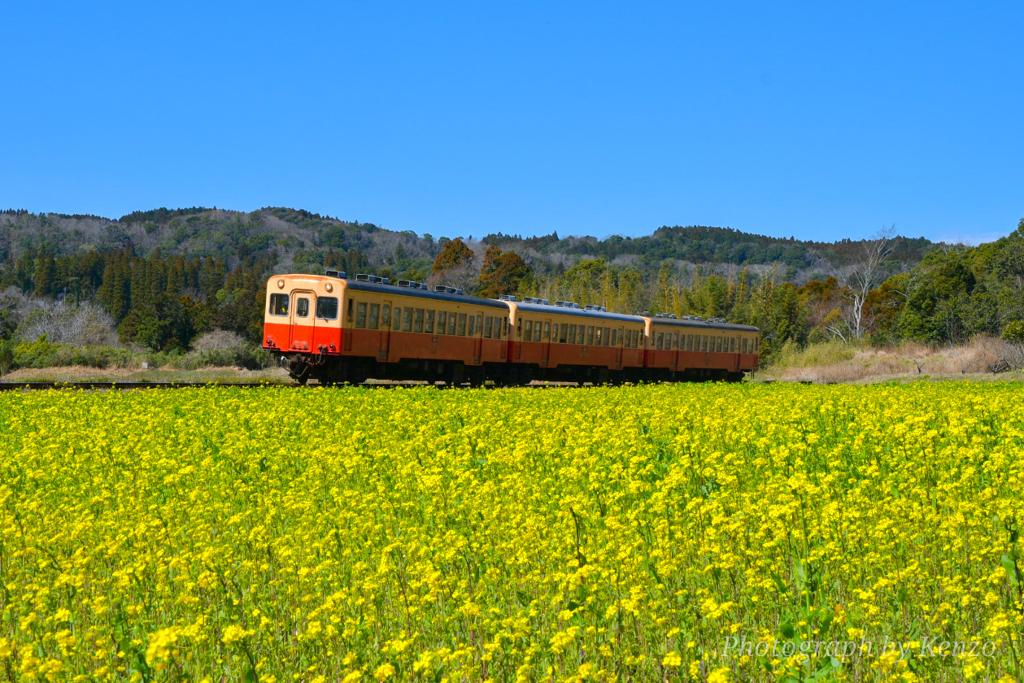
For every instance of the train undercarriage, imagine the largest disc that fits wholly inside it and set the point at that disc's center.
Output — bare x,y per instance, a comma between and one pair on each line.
333,370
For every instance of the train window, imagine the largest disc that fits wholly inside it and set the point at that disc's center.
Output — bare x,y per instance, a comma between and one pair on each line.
743,345
572,334
348,316
302,307
472,330
442,321
361,315
385,315
398,318
689,342
529,330
428,323
703,342
278,304
488,326
537,329
718,344
479,323
327,307
675,341
757,344
604,337
407,320
563,334
374,321
462,325
661,341
547,331
417,323
590,335
451,324
614,337
732,344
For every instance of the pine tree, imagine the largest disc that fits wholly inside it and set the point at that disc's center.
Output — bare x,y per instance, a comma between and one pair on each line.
46,274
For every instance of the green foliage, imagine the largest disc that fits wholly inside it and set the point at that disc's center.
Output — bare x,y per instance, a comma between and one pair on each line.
43,354
792,355
1014,332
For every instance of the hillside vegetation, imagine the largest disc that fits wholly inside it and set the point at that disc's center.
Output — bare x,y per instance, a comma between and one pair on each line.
162,278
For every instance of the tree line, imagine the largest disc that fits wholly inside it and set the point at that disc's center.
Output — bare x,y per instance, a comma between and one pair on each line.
871,294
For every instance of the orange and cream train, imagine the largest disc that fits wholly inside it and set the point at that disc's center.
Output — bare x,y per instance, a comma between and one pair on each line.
334,329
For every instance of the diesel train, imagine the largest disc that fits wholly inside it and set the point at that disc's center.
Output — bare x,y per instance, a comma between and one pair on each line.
333,329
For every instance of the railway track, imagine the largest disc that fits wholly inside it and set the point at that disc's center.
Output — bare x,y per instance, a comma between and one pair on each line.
128,386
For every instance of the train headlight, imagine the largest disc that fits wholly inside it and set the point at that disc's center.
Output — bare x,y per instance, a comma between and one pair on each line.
329,287
280,284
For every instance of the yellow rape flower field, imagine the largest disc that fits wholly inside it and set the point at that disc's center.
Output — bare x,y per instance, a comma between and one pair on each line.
684,533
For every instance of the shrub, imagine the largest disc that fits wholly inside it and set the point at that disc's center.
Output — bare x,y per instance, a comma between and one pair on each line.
1014,332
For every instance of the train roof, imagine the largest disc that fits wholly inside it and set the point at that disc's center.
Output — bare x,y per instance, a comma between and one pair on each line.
703,324
400,290
582,312
397,290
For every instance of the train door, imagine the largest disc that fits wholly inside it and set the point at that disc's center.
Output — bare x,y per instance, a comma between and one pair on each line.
478,337
619,344
502,323
518,332
302,319
385,330
545,342
673,342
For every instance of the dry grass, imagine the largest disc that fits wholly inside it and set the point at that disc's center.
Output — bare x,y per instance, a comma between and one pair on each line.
77,373
835,362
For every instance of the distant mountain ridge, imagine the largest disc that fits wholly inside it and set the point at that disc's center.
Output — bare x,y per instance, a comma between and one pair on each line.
299,238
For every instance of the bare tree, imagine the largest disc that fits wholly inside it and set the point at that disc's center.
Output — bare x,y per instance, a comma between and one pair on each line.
81,325
865,275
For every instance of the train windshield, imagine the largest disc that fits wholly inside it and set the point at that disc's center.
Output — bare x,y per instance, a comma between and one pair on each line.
279,304
327,307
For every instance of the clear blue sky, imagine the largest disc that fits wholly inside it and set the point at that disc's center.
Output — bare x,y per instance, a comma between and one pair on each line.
818,120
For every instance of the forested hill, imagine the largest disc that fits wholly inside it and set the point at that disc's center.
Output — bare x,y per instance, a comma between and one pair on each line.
702,244
300,240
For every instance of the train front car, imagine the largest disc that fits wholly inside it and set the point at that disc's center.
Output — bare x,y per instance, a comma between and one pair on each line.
336,330
302,324
694,348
